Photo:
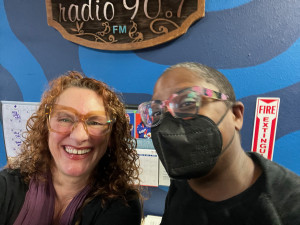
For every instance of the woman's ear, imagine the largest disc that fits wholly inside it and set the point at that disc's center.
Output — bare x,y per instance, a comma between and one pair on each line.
238,112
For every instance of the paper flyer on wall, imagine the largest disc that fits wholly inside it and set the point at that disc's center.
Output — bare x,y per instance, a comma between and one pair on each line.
148,160
15,116
152,220
163,177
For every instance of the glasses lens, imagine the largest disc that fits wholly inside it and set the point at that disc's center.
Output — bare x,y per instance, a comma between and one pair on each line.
185,104
98,125
62,121
151,113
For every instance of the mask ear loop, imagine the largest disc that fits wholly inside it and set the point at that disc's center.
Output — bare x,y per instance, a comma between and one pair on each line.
229,107
229,143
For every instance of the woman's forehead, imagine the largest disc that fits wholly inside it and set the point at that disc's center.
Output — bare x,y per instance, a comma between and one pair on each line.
82,99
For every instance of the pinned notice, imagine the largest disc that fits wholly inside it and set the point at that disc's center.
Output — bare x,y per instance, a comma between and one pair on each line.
15,116
265,126
148,160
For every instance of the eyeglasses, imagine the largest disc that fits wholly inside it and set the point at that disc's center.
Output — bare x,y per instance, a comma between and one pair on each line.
64,119
183,104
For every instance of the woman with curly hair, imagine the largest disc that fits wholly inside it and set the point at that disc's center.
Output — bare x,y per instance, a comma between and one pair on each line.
77,163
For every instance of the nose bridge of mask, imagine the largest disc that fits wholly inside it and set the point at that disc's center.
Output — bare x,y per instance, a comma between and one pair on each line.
179,120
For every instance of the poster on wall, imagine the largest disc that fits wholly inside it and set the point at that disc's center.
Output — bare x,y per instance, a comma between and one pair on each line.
141,131
122,25
15,116
148,161
265,124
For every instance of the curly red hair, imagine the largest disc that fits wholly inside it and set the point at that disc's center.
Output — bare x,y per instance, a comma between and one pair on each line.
116,174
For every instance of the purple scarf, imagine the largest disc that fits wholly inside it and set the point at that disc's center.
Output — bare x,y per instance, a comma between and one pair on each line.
38,207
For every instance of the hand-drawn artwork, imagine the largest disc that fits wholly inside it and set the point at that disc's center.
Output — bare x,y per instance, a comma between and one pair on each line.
15,116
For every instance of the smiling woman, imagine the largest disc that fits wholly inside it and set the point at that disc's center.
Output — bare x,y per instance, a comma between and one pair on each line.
77,165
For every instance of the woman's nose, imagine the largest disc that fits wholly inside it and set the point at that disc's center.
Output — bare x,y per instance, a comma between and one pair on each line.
79,131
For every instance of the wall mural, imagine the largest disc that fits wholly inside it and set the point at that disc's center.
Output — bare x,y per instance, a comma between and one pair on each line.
254,43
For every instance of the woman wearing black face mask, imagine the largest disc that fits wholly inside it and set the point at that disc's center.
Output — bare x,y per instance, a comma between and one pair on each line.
195,123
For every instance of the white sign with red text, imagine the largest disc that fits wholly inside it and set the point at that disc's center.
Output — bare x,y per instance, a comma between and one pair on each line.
265,124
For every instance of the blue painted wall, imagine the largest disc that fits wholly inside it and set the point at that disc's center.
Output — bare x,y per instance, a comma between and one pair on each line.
254,43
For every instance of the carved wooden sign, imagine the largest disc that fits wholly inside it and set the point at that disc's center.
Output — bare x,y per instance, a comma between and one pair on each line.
122,24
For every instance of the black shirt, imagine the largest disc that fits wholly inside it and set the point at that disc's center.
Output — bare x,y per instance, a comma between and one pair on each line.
116,212
274,199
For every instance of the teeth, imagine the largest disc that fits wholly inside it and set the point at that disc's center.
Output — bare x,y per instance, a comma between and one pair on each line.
76,151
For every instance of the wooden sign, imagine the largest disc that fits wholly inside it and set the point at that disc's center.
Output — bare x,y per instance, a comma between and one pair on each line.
122,24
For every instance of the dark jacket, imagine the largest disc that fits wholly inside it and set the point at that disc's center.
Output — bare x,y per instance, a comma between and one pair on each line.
13,191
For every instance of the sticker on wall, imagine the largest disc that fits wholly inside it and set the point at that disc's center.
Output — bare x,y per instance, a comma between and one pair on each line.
140,128
265,124
123,25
